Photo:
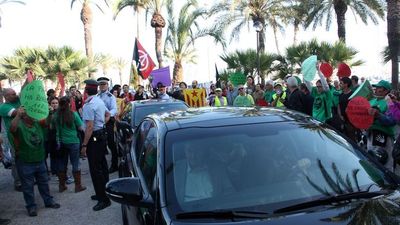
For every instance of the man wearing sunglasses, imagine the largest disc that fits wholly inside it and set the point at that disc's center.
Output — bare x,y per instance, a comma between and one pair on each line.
243,99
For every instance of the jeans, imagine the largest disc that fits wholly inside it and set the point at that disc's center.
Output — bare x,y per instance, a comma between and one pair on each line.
73,151
29,173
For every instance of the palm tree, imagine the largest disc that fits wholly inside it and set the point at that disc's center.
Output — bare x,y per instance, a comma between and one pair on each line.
365,9
157,21
120,65
182,34
105,61
393,34
241,12
87,18
297,14
2,2
246,62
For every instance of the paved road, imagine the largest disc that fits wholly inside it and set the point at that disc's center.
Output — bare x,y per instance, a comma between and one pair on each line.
76,208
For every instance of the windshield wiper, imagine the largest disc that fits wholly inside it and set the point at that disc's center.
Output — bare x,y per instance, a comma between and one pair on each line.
331,199
222,214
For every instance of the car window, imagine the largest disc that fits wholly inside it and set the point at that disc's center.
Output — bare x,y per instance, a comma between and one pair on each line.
144,111
261,166
148,153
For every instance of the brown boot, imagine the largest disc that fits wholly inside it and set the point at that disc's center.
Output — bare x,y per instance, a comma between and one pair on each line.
62,177
78,184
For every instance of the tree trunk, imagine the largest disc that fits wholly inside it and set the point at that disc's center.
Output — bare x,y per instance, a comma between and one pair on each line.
340,10
120,77
276,39
86,18
158,23
295,32
178,72
262,40
393,34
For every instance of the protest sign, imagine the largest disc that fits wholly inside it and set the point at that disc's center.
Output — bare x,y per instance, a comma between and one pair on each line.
161,75
343,70
326,69
237,78
33,99
195,97
308,68
357,112
364,90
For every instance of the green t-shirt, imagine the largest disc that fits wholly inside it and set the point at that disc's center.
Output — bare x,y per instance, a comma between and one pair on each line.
5,108
382,105
335,96
268,96
243,101
29,142
65,134
322,107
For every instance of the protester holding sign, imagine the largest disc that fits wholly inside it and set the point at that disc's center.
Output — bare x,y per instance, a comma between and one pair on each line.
29,145
380,137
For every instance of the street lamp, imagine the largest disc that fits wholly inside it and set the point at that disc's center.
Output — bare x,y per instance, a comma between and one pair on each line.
258,26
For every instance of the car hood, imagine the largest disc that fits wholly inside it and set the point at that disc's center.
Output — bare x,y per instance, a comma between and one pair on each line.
383,210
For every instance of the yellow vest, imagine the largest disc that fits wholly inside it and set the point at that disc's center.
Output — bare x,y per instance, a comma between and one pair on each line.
279,103
217,102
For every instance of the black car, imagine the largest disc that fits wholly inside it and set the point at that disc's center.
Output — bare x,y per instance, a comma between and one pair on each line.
250,166
136,111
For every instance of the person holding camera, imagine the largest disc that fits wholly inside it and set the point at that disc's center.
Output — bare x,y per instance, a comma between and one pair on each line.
279,98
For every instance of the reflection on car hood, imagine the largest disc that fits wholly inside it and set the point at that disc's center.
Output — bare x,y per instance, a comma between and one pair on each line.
381,210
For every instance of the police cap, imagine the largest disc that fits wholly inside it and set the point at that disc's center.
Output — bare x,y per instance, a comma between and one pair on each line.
103,80
91,82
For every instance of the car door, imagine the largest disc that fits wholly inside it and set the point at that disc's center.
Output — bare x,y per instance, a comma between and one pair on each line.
144,157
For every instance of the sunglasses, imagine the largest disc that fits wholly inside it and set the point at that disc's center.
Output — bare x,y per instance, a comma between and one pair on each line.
241,88
319,86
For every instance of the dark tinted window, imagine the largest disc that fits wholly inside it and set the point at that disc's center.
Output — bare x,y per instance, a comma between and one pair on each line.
261,166
143,111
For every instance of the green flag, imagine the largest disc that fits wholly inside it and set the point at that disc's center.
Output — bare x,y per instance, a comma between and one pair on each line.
33,99
364,90
237,78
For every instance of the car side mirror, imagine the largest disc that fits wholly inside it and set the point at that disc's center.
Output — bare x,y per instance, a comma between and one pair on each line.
128,191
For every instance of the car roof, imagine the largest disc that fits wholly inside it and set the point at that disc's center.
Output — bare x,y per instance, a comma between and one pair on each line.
147,102
227,116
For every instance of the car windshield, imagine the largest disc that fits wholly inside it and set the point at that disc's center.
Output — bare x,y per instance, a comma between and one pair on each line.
143,111
261,167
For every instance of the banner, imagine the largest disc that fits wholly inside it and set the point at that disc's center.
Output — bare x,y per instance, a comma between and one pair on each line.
195,97
33,99
364,90
357,112
161,75
237,78
142,60
309,68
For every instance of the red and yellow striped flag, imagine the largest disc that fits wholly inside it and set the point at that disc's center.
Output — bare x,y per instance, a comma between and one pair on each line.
195,97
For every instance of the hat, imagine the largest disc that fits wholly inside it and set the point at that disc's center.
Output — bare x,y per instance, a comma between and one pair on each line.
383,83
240,86
91,83
218,89
292,82
103,80
278,84
270,82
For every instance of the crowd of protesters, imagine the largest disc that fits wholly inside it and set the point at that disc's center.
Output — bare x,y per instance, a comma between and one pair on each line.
64,138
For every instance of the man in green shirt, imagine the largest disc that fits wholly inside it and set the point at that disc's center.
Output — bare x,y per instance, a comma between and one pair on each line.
243,99
322,106
8,110
29,150
269,91
380,137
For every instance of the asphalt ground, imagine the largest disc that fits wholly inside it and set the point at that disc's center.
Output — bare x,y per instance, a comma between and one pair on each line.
76,208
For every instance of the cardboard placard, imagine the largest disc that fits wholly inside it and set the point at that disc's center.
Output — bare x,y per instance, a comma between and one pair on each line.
357,112
237,79
309,68
33,99
326,69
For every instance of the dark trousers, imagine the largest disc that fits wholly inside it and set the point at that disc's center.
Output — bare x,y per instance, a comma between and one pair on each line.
111,142
96,151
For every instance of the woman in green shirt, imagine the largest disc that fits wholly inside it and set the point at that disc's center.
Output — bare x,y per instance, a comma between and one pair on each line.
67,124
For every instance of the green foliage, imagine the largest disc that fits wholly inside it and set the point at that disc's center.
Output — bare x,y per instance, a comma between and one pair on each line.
46,64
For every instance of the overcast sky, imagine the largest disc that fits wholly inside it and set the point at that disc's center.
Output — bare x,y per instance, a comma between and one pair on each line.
52,22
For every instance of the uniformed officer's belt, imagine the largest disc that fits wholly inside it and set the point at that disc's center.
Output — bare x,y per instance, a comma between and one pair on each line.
97,133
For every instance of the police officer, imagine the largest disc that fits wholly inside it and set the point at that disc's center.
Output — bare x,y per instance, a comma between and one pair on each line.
111,104
95,115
